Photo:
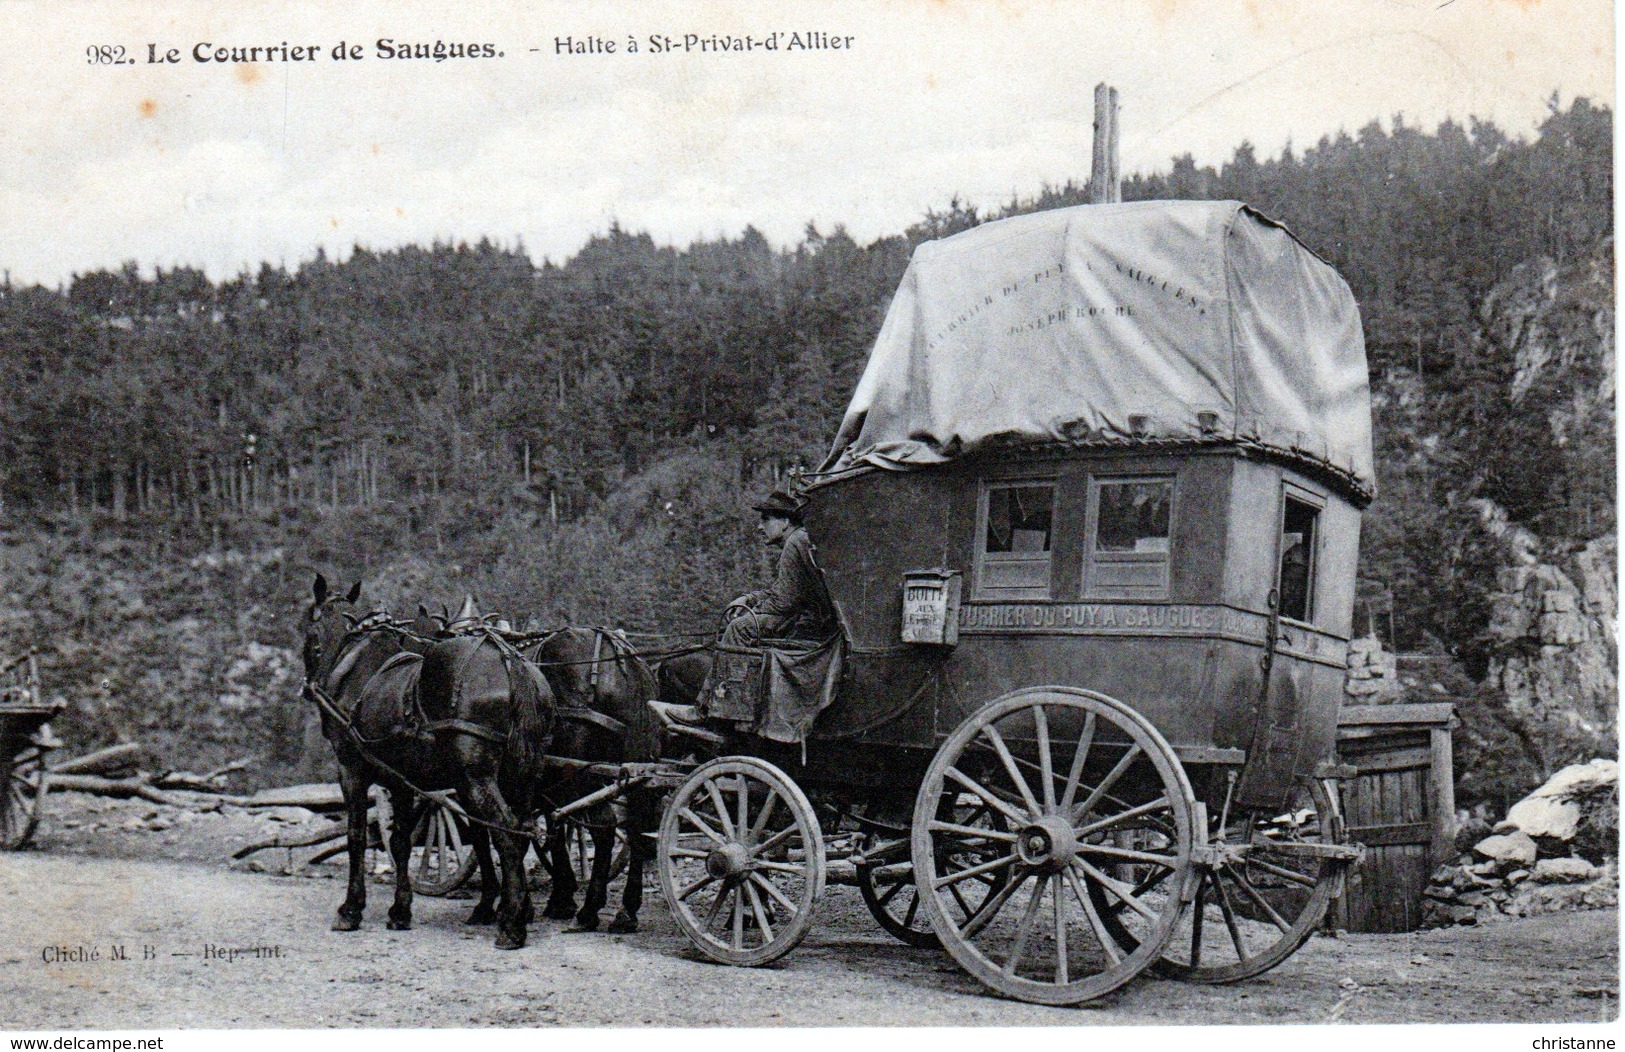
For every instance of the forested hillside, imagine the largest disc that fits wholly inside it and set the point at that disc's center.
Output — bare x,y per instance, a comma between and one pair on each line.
579,439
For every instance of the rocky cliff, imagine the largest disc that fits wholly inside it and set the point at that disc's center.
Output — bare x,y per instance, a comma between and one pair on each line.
1551,643
1495,536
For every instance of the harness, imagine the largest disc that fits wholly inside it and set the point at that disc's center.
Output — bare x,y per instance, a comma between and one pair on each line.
589,713
418,722
321,694
477,730
325,704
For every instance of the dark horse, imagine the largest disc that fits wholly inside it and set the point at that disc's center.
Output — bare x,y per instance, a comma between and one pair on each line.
680,677
463,713
603,688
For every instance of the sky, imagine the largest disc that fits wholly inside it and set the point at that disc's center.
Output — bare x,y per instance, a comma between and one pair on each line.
223,165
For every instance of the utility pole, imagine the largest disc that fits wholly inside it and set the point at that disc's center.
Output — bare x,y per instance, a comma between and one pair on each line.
1105,179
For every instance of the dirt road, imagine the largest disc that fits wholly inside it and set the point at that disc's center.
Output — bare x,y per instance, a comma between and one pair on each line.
166,916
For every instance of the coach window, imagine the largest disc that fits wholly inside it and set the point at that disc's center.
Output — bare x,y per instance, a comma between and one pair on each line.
1130,529
1013,560
1300,521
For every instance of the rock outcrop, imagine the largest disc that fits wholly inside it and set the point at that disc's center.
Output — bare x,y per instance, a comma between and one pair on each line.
1553,645
1547,507
1556,850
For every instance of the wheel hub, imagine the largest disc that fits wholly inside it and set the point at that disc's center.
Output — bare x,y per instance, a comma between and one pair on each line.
1047,843
729,860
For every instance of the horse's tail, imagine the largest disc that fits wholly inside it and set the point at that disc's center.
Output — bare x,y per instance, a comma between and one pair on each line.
532,710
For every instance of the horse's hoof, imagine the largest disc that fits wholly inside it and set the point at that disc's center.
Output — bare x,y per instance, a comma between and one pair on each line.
482,916
559,911
343,923
586,922
505,941
402,924
623,925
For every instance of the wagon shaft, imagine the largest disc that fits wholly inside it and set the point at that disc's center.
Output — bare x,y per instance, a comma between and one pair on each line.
1350,853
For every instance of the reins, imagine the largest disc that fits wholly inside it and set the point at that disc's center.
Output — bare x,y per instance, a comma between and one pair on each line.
520,640
508,644
442,797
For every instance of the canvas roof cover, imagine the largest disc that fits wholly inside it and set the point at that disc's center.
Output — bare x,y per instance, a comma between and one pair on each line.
1185,320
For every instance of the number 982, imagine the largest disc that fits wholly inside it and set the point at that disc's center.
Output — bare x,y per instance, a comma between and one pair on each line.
105,55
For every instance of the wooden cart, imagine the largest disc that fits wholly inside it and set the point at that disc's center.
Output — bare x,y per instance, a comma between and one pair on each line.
25,741
1092,673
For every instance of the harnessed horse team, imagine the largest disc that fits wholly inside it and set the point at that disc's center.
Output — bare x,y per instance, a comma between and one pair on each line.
430,707
427,707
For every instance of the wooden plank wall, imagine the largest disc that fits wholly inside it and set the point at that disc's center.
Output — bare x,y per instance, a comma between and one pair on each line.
1400,805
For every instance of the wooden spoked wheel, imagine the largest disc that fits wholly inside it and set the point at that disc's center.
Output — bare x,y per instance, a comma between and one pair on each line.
578,846
579,839
442,857
25,790
1271,878
1049,793
888,890
741,861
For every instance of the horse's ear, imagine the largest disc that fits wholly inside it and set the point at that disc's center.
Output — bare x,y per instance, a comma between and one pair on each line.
354,595
423,612
319,590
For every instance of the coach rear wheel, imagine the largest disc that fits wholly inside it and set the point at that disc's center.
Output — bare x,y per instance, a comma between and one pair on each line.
442,857
1264,884
888,889
741,861
1070,788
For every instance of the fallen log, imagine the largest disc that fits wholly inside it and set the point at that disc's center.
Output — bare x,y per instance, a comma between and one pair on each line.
102,761
235,765
123,788
328,852
198,783
308,840
315,796
202,783
210,800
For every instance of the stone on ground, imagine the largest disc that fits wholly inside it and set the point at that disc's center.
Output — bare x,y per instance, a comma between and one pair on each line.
1514,848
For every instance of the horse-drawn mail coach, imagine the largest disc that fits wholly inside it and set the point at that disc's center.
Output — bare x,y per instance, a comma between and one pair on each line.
1087,540
1090,528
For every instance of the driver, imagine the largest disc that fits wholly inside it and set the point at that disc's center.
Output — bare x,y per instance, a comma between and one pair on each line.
796,605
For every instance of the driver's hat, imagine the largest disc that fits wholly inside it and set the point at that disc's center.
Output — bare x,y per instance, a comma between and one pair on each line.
781,502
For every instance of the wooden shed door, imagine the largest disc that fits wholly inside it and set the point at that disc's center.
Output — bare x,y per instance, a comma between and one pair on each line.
1387,811
1400,807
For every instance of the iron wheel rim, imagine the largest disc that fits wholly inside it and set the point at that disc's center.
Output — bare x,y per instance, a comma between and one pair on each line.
1053,844
728,846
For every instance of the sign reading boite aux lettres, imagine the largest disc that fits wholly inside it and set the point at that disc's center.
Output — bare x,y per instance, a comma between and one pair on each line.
931,607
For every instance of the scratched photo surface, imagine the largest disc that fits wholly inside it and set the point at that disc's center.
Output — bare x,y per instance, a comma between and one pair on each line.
351,352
